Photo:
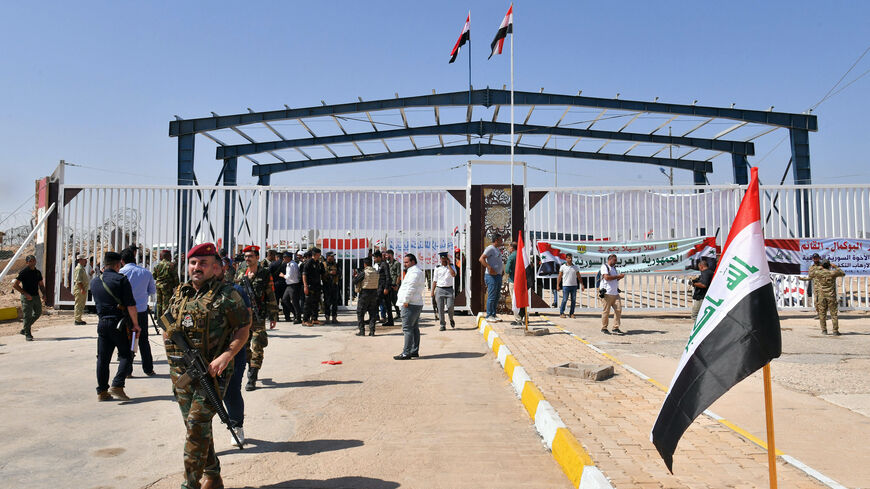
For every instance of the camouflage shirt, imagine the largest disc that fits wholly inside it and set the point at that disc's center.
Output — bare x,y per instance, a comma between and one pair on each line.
166,275
825,280
395,272
209,317
330,279
264,291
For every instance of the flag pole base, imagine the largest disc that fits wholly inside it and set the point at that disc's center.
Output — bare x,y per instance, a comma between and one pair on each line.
768,411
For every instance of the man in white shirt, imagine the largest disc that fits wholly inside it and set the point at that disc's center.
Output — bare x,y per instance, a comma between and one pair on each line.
410,296
293,296
443,295
610,278
568,281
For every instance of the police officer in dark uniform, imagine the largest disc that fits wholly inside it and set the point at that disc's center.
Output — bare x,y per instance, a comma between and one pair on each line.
312,278
114,300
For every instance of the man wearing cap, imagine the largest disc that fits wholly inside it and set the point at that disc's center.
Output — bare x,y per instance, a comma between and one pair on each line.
114,299
166,280
293,296
80,289
29,283
824,278
257,277
385,287
312,277
213,317
367,280
442,293
331,287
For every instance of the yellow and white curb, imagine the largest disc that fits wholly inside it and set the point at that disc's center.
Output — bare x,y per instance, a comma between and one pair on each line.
710,414
566,450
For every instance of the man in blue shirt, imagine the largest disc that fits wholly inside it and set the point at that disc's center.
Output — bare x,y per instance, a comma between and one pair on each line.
143,286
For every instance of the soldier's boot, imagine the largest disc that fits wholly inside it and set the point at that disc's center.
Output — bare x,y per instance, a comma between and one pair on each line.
334,319
118,393
835,325
823,323
212,482
252,379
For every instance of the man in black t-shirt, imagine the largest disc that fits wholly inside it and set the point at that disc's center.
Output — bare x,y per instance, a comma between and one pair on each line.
701,284
114,299
29,283
312,276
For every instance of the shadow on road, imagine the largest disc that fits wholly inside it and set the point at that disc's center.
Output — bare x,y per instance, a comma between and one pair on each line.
295,336
140,400
270,384
337,483
309,447
67,338
642,331
457,354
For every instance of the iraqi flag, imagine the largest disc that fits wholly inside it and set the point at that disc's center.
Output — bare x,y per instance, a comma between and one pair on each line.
506,27
464,37
551,259
783,256
520,296
736,333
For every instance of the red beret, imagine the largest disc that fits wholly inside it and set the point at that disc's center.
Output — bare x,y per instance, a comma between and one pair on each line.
251,248
205,249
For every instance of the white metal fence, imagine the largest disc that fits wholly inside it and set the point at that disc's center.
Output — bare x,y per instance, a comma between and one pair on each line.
656,213
96,218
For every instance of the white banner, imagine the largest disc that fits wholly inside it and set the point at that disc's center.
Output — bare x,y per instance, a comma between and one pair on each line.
669,256
851,255
426,249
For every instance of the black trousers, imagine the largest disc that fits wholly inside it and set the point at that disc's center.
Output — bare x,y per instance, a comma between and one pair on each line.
312,304
144,344
280,288
108,339
385,306
292,300
330,299
368,303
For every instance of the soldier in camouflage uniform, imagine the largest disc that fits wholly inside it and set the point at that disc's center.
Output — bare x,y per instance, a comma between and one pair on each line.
213,316
824,277
166,279
260,281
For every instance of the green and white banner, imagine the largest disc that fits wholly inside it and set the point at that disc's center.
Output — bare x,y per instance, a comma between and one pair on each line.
667,256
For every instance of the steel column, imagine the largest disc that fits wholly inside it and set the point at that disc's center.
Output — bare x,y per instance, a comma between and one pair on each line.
800,154
229,180
741,169
699,177
186,176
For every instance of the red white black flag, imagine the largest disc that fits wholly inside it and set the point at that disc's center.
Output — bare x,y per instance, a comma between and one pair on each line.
464,37
506,27
736,333
521,274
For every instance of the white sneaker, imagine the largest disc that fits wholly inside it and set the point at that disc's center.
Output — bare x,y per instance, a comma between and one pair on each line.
494,319
240,432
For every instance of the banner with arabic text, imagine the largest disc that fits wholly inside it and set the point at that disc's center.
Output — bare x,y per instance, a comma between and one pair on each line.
667,256
851,255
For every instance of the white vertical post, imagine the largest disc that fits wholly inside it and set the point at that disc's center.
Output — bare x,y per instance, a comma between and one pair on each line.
261,218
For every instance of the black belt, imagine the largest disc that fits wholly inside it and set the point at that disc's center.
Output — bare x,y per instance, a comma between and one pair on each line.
445,287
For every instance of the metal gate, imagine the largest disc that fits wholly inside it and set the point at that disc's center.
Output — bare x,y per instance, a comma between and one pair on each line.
99,218
650,213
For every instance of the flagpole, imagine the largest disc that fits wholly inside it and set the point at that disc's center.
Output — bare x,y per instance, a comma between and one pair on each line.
768,412
469,58
512,107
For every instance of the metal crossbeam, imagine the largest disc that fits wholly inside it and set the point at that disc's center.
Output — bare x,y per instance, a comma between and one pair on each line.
482,128
489,97
489,149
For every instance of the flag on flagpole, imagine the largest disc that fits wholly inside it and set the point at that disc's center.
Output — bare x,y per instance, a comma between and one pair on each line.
506,27
737,331
464,37
521,287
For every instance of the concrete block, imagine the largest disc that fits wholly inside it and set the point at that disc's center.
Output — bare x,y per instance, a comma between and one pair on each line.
582,371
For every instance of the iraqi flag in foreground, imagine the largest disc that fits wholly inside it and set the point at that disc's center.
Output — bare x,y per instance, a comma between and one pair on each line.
520,295
506,27
464,37
736,333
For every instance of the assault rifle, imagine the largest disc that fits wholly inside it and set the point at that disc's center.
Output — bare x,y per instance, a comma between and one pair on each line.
249,289
154,320
196,370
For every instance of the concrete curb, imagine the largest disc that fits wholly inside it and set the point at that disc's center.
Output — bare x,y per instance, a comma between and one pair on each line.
566,450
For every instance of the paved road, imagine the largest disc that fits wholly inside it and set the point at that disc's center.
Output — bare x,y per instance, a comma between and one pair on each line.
447,420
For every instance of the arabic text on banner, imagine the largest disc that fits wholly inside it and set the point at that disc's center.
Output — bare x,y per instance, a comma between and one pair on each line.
851,255
668,256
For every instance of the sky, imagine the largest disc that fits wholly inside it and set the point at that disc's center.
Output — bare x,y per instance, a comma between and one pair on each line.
96,83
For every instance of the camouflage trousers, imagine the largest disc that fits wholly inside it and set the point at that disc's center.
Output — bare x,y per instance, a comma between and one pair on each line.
162,302
199,455
31,310
258,340
824,305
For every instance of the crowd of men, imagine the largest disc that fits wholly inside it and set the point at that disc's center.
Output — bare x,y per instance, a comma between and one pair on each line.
221,313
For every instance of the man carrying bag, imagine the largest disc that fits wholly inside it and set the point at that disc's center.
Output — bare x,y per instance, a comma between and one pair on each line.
116,309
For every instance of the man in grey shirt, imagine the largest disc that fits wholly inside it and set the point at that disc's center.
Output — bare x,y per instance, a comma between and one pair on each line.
491,260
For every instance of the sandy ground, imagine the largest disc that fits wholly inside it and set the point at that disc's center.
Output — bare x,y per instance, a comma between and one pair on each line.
447,420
